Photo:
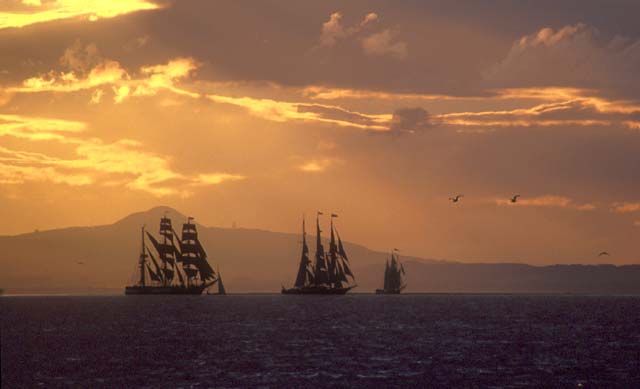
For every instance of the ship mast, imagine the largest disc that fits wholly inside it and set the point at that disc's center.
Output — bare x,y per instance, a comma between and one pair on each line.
143,256
342,269
334,270
194,258
303,272
320,265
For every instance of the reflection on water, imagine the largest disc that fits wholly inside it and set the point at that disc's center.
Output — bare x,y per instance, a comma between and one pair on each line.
356,340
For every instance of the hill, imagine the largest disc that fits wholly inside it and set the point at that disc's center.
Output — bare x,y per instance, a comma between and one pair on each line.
103,259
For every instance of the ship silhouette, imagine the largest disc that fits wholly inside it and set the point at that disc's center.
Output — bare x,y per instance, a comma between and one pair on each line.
329,273
393,272
179,266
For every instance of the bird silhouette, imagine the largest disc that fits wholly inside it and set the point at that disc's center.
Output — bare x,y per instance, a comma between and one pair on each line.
455,199
603,253
515,198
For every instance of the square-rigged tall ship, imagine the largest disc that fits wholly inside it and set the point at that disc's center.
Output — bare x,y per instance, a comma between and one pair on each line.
328,275
179,268
393,272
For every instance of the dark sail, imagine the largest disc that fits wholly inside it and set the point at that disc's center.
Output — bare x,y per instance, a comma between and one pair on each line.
206,271
167,252
142,260
303,278
343,255
221,289
154,276
155,264
168,273
329,271
393,273
178,266
320,270
386,276
193,257
333,266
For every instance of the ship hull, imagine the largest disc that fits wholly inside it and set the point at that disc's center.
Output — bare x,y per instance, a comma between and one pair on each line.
383,291
317,290
146,290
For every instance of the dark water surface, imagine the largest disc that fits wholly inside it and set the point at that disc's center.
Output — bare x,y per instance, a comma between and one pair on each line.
312,341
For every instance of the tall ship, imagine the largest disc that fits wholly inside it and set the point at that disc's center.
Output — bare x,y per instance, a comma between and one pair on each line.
329,273
393,276
174,265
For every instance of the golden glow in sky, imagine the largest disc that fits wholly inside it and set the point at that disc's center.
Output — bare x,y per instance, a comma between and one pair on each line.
46,11
378,114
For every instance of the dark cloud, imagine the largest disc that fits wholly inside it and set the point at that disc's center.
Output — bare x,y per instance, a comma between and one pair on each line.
576,55
282,36
410,120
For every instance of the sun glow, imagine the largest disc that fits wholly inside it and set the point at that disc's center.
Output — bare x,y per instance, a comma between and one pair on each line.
66,9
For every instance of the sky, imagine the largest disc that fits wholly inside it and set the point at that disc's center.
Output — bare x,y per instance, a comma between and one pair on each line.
257,113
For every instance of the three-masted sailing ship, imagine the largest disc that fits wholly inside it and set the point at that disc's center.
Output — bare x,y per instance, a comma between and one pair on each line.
393,272
329,273
179,265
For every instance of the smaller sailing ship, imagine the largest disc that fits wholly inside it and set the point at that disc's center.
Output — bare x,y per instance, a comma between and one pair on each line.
329,273
179,266
393,272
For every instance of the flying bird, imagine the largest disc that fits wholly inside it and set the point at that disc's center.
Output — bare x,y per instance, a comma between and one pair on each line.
515,198
455,199
603,253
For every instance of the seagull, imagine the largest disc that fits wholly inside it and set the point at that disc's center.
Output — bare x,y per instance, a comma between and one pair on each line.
455,199
603,253
515,198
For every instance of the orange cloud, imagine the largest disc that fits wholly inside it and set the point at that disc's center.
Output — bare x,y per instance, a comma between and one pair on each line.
97,162
625,207
576,105
66,9
560,106
546,201
38,128
281,111
217,178
523,123
150,80
107,72
316,165
586,108
542,93
632,125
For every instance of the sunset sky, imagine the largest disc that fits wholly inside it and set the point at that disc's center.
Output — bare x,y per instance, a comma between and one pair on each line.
256,112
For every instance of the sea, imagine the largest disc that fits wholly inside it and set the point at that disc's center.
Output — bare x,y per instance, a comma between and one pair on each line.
357,340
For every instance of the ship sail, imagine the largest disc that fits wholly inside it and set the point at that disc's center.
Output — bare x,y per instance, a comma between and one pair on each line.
333,270
329,271
193,256
320,275
179,265
386,276
303,277
345,259
221,289
393,272
155,263
142,260
167,252
154,276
